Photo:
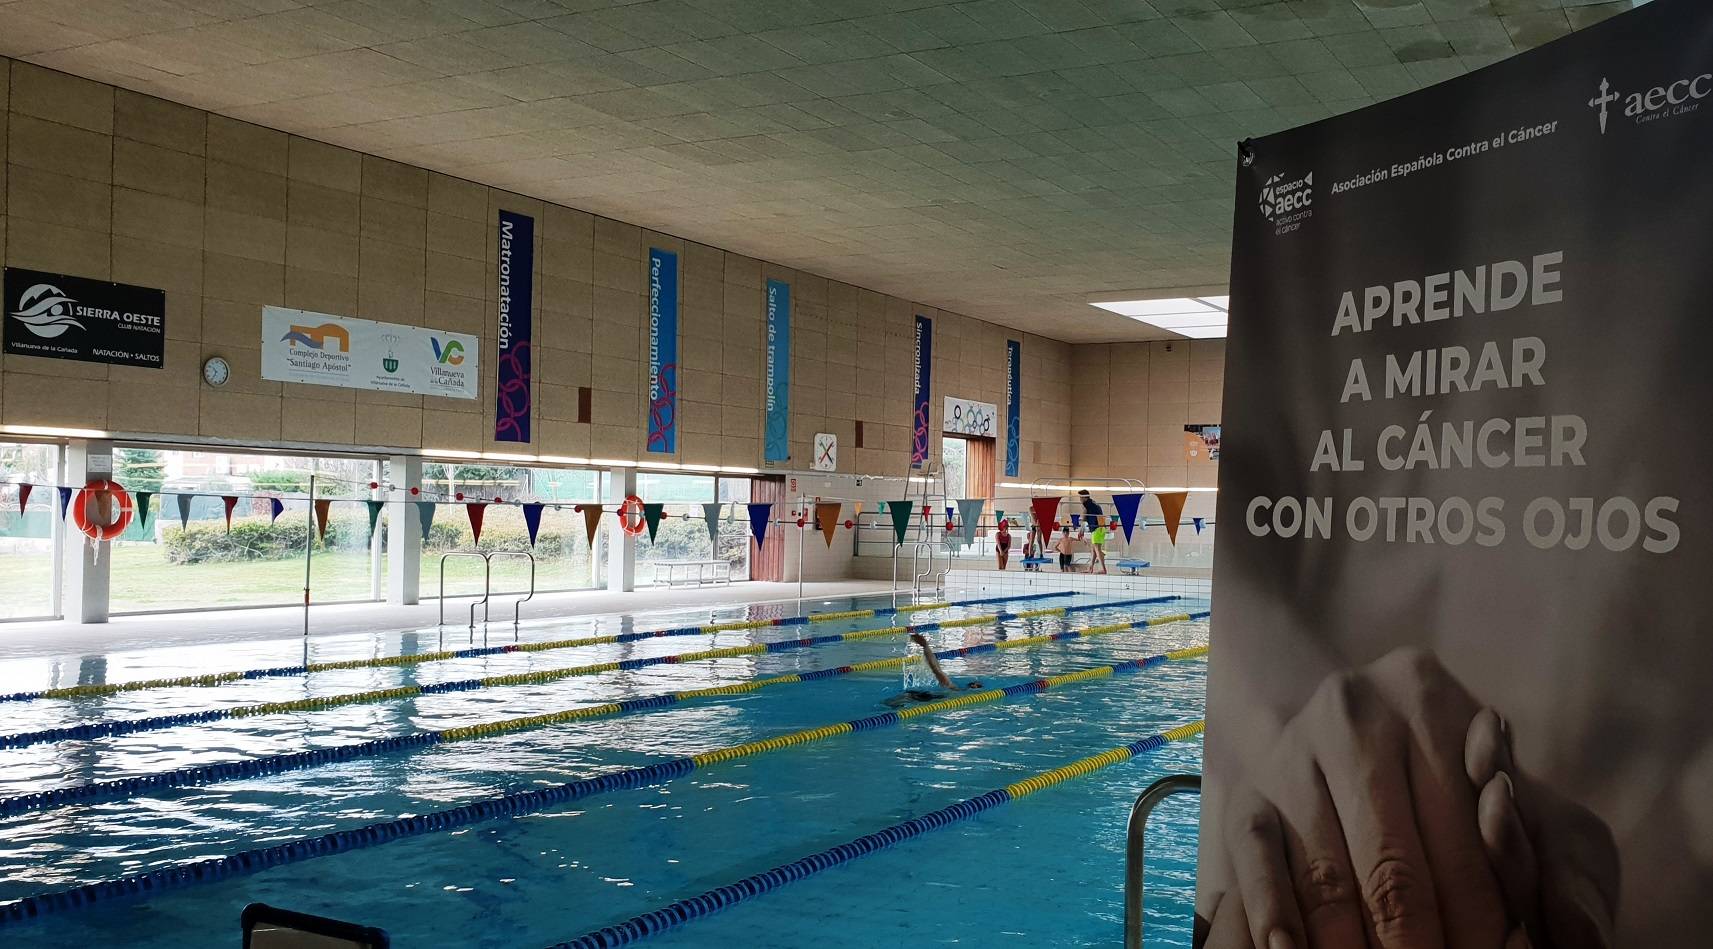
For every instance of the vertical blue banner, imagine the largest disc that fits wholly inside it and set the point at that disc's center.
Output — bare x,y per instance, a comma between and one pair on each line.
662,352
777,446
517,291
1013,407
924,365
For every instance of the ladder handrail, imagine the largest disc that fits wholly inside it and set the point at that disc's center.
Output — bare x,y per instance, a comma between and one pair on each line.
517,606
461,553
1135,835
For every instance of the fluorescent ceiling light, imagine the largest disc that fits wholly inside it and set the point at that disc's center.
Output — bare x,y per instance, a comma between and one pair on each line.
1195,317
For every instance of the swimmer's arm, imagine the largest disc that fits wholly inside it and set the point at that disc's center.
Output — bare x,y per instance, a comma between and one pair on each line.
933,663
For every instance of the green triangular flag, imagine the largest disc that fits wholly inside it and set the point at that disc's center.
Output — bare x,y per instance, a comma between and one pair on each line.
425,517
374,515
143,508
651,514
900,511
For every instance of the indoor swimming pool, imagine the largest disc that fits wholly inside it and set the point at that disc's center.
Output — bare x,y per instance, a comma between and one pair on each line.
109,784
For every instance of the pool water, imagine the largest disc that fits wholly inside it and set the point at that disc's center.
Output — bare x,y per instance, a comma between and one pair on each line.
1046,870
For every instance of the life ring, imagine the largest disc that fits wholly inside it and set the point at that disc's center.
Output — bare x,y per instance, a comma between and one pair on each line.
85,522
631,519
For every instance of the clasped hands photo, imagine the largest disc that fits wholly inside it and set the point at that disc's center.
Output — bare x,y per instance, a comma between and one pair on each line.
1390,813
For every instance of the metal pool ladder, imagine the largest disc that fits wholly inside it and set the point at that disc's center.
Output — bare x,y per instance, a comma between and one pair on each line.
487,558
1133,851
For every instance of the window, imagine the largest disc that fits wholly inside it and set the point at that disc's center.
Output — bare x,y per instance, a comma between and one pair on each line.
561,549
954,458
188,556
683,533
29,565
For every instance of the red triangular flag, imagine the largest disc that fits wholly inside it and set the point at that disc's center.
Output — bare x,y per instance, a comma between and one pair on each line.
476,511
230,502
321,506
1046,514
24,495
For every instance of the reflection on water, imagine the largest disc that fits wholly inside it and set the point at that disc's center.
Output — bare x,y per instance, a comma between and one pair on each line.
1045,871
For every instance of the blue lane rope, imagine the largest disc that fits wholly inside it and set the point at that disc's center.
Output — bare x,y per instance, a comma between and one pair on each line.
712,901
516,804
198,775
118,727
222,678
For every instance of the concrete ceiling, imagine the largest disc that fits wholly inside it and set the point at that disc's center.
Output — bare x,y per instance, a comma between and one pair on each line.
1006,159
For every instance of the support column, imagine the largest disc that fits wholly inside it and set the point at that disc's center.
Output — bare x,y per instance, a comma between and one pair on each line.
404,532
621,547
87,569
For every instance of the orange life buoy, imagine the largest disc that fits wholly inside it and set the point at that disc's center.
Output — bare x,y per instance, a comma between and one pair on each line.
631,519
81,515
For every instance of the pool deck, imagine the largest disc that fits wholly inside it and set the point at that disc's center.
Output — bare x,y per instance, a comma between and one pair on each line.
216,627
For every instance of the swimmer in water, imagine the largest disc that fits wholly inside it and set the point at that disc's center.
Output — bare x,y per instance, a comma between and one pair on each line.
947,686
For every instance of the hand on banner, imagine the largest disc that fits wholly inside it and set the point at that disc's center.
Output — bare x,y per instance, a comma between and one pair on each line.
1386,819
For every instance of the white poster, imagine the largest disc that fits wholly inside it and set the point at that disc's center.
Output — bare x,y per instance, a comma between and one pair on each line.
324,350
965,417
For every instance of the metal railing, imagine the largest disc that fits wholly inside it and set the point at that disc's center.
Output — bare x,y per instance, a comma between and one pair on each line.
1133,851
487,559
917,573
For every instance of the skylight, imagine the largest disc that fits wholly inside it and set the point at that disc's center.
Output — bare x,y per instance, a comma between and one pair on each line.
1195,317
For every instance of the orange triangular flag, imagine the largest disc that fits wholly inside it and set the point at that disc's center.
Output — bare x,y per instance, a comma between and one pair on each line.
592,520
1172,509
321,506
827,516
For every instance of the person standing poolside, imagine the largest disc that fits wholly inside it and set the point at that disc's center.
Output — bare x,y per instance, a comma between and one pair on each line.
1097,541
1066,546
1002,543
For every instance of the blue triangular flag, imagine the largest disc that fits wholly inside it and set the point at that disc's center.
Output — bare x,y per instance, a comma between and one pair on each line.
64,501
184,511
1076,521
759,514
425,517
277,507
1198,521
1127,505
532,519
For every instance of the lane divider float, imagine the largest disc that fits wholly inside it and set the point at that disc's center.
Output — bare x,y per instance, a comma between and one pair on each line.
199,775
132,726
706,904
223,678
516,804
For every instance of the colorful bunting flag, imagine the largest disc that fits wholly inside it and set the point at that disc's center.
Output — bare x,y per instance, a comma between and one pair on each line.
591,520
1046,514
143,509
1198,521
321,507
184,512
900,511
64,502
1172,508
231,502
711,514
1076,521
651,512
532,519
827,518
1127,505
24,495
276,507
476,510
969,514
424,517
760,513
374,515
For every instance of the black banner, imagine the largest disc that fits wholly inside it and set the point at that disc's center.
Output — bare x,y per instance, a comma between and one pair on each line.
64,317
1461,662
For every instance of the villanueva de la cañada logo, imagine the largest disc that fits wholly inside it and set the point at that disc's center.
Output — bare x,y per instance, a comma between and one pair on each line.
451,354
46,311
